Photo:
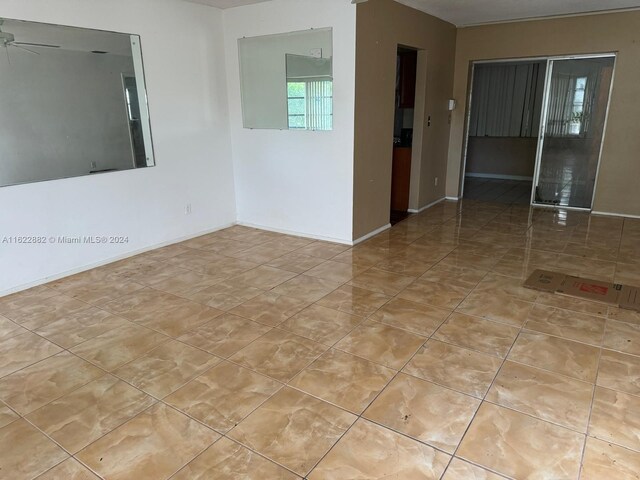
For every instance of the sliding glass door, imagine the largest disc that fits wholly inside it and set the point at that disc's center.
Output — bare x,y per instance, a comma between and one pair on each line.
574,115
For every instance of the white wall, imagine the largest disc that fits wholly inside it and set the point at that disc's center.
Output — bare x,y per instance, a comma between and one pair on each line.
53,102
296,181
182,44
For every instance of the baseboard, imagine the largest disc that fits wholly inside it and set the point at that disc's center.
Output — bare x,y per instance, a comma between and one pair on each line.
296,234
609,214
101,263
371,234
422,209
452,199
498,176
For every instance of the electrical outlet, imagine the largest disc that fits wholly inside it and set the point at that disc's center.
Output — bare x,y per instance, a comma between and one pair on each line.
187,209
435,181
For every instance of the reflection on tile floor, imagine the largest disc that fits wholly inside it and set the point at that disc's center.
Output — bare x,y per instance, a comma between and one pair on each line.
245,354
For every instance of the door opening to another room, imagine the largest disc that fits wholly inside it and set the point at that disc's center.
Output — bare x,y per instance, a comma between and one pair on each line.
406,72
506,107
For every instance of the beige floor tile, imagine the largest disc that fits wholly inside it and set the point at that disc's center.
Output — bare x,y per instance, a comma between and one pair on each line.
499,308
353,300
370,452
415,317
564,323
344,380
166,368
185,283
477,334
293,429
225,335
310,289
155,444
279,354
604,460
433,293
261,253
6,415
619,371
99,293
336,271
425,411
12,304
405,266
623,337
324,250
545,395
223,396
461,470
363,255
558,355
521,446
263,277
455,367
86,414
623,315
628,274
227,460
80,326
48,310
225,295
574,304
321,324
382,344
502,285
23,350
615,418
70,469
270,308
295,262
26,452
382,281
32,387
118,346
9,329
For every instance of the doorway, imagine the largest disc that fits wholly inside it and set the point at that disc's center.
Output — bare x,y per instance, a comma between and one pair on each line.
535,129
502,140
406,74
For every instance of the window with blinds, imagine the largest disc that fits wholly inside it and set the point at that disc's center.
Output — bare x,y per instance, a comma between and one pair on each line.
507,99
310,104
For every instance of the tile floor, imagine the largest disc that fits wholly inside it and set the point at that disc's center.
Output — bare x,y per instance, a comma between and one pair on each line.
245,354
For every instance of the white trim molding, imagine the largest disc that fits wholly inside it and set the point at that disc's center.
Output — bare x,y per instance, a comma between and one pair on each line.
498,176
422,209
371,234
610,214
297,234
453,199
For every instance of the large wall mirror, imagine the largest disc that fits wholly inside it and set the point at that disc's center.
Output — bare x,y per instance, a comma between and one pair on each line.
73,102
287,80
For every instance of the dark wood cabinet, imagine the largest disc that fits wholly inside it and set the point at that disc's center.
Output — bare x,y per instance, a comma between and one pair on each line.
408,62
400,179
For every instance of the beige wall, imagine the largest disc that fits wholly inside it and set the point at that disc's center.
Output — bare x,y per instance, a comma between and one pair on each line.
617,186
381,25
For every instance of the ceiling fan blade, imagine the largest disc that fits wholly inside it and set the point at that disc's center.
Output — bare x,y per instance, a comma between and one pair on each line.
26,49
28,44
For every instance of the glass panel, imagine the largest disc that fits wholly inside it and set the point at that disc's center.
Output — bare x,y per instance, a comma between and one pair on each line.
73,103
576,113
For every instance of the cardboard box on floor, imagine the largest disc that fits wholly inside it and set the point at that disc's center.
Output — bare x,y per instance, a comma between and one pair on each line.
622,296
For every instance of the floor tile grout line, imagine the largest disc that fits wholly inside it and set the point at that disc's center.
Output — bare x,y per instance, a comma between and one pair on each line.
593,396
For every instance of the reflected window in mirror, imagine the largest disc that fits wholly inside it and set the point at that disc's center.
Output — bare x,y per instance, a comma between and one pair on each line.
74,103
287,80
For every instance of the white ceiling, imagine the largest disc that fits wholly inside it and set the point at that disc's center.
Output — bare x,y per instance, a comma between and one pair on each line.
472,12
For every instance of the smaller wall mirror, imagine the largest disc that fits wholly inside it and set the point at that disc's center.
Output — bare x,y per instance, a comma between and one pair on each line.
73,102
287,80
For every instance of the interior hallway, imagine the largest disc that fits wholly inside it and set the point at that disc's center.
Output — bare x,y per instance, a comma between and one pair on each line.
415,355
